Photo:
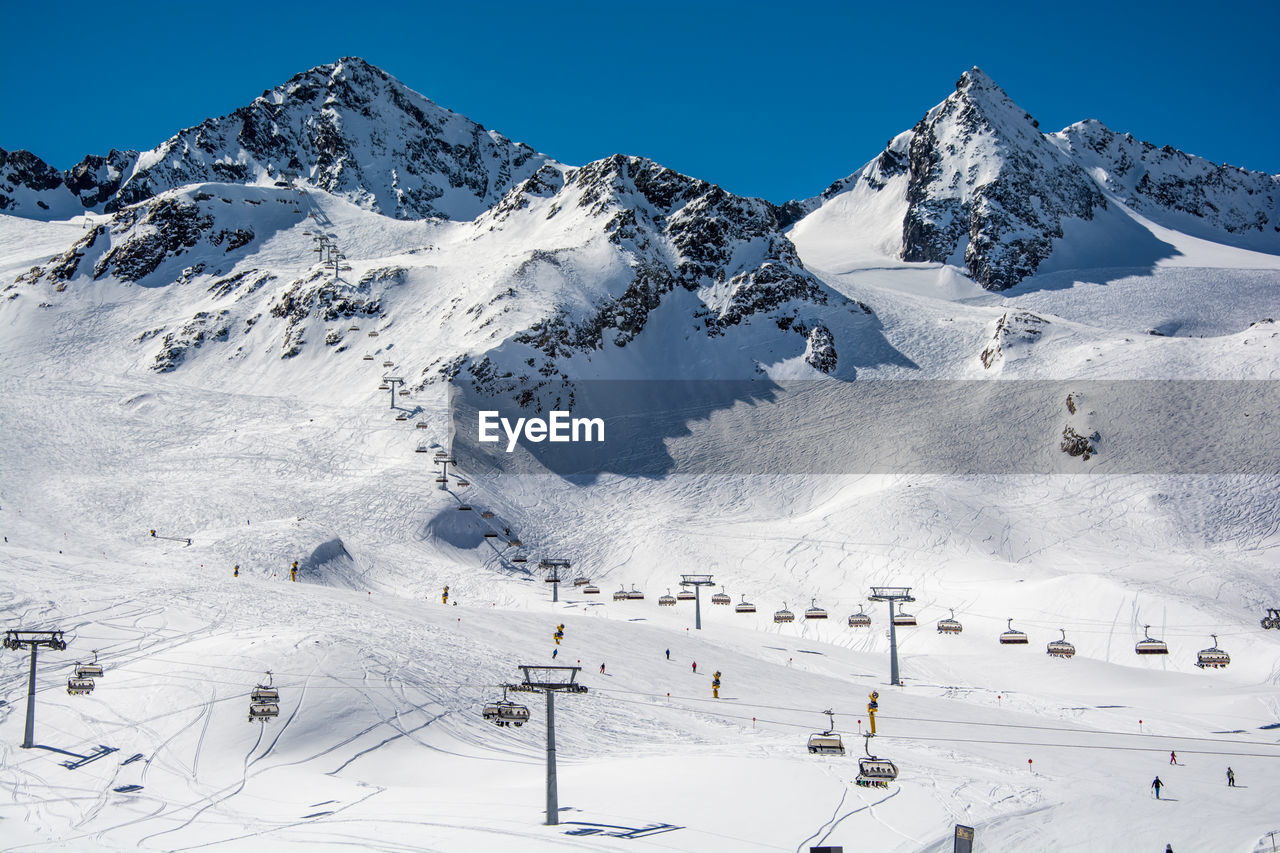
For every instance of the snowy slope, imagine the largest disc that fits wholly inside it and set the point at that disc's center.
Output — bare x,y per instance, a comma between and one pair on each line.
185,364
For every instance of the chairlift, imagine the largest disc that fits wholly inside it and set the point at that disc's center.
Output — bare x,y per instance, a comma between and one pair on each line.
463,483
487,514
421,448
686,595
581,580
441,456
464,508
422,425
875,772
636,595
519,558
744,606
1214,657
77,686
902,619
505,713
814,611
354,329
828,742
368,358
265,692
784,615
859,619
667,600
950,625
404,392
591,589
1012,637
514,543
263,711
489,534
721,597
384,387
621,594
1149,646
442,479
388,364
89,670
1060,648
373,334
402,417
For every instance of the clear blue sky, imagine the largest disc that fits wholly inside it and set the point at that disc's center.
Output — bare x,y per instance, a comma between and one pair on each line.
768,99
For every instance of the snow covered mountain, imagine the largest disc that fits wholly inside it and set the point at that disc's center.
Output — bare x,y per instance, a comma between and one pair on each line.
348,128
976,185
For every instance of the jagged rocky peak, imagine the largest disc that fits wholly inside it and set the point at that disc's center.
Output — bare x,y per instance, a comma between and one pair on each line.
1179,189
347,127
986,189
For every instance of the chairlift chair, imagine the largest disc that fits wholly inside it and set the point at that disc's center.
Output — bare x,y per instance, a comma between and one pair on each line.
1060,648
490,534
859,619
621,594
875,772
368,358
902,619
442,479
384,387
79,686
744,606
721,597
784,615
263,711
422,425
1012,637
581,580
1149,646
487,514
814,611
388,364
635,595
421,448
686,595
89,670
463,483
373,334
828,742
667,600
519,558
464,508
354,329
513,543
265,692
591,589
1214,657
402,417
950,626
505,713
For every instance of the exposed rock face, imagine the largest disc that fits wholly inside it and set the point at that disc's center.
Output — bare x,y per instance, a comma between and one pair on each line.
1013,328
347,127
203,327
987,188
1233,202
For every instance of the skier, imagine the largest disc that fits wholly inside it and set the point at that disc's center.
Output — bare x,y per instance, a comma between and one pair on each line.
1157,785
1173,758
444,596
554,652
1231,778
1168,848
715,685
695,667
293,572
559,634
668,654
602,669
236,573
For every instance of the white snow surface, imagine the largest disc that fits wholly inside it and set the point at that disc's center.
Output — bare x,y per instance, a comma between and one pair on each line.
262,460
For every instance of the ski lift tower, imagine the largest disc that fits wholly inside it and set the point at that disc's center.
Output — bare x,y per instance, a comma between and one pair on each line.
552,568
892,594
697,582
550,680
393,381
32,640
322,245
444,460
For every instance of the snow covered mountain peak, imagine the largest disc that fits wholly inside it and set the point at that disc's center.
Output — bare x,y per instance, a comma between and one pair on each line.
347,127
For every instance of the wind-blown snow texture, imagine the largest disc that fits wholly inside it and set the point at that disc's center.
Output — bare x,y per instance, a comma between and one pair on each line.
173,356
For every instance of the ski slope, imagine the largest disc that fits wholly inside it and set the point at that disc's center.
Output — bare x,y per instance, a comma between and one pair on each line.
380,743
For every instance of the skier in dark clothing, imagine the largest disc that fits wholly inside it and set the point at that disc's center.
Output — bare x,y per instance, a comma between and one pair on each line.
1231,778
1157,785
695,667
602,669
668,654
